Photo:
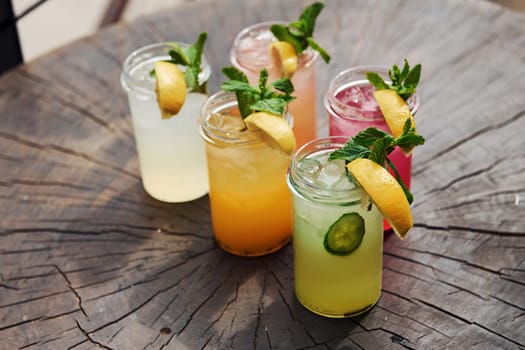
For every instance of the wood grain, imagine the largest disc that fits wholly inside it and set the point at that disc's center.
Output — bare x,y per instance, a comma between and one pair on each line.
88,260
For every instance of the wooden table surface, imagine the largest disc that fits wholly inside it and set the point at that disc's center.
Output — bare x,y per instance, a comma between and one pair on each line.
88,260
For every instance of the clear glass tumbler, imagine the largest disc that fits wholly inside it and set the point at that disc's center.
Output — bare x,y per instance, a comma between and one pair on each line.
326,283
351,107
171,153
250,202
250,54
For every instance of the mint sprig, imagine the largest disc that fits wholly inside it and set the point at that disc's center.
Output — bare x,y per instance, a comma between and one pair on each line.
191,58
300,33
404,81
376,145
272,98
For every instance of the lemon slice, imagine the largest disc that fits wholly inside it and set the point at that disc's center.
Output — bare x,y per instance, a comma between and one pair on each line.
278,133
170,88
385,192
285,57
396,112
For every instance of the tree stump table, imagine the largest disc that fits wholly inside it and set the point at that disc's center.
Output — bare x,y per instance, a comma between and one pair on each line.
88,260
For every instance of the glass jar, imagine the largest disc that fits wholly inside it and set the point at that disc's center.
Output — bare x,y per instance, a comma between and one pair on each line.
329,284
250,202
351,107
171,153
250,53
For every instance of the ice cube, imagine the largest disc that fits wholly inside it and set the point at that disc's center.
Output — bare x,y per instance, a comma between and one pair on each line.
332,172
309,169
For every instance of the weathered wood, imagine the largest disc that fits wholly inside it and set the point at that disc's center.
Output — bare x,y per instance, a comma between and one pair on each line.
88,260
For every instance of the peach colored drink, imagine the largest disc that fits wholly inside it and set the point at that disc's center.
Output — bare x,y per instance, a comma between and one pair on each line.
250,54
249,199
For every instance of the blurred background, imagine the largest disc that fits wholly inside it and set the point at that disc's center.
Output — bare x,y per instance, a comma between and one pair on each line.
48,24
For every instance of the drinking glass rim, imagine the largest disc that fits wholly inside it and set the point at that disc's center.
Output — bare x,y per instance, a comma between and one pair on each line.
335,197
343,110
229,136
313,55
126,79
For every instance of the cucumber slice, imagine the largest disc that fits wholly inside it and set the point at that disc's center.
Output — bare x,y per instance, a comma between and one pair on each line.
345,235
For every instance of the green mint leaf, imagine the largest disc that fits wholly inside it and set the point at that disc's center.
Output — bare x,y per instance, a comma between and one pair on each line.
394,75
378,150
177,55
314,45
375,144
350,151
191,76
194,52
300,33
309,16
261,98
408,194
368,136
272,105
245,93
405,92
283,85
406,69
410,140
298,29
234,74
376,80
413,77
284,34
235,86
263,80
407,126
404,81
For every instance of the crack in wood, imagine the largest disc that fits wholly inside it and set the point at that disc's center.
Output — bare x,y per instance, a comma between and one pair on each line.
6,286
260,306
90,339
145,302
400,296
22,251
469,138
470,229
33,299
60,149
413,320
409,275
409,260
446,257
49,183
209,297
79,299
453,181
71,232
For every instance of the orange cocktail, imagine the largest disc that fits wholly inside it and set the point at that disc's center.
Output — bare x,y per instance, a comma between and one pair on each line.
249,199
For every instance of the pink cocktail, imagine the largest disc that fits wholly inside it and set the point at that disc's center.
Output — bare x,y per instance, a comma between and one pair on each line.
351,107
250,53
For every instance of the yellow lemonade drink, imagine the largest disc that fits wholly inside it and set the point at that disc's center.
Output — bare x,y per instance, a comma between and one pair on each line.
333,283
171,153
249,199
250,54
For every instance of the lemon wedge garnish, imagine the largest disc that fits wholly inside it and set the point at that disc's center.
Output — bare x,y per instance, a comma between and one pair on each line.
396,112
278,133
284,57
170,88
385,192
